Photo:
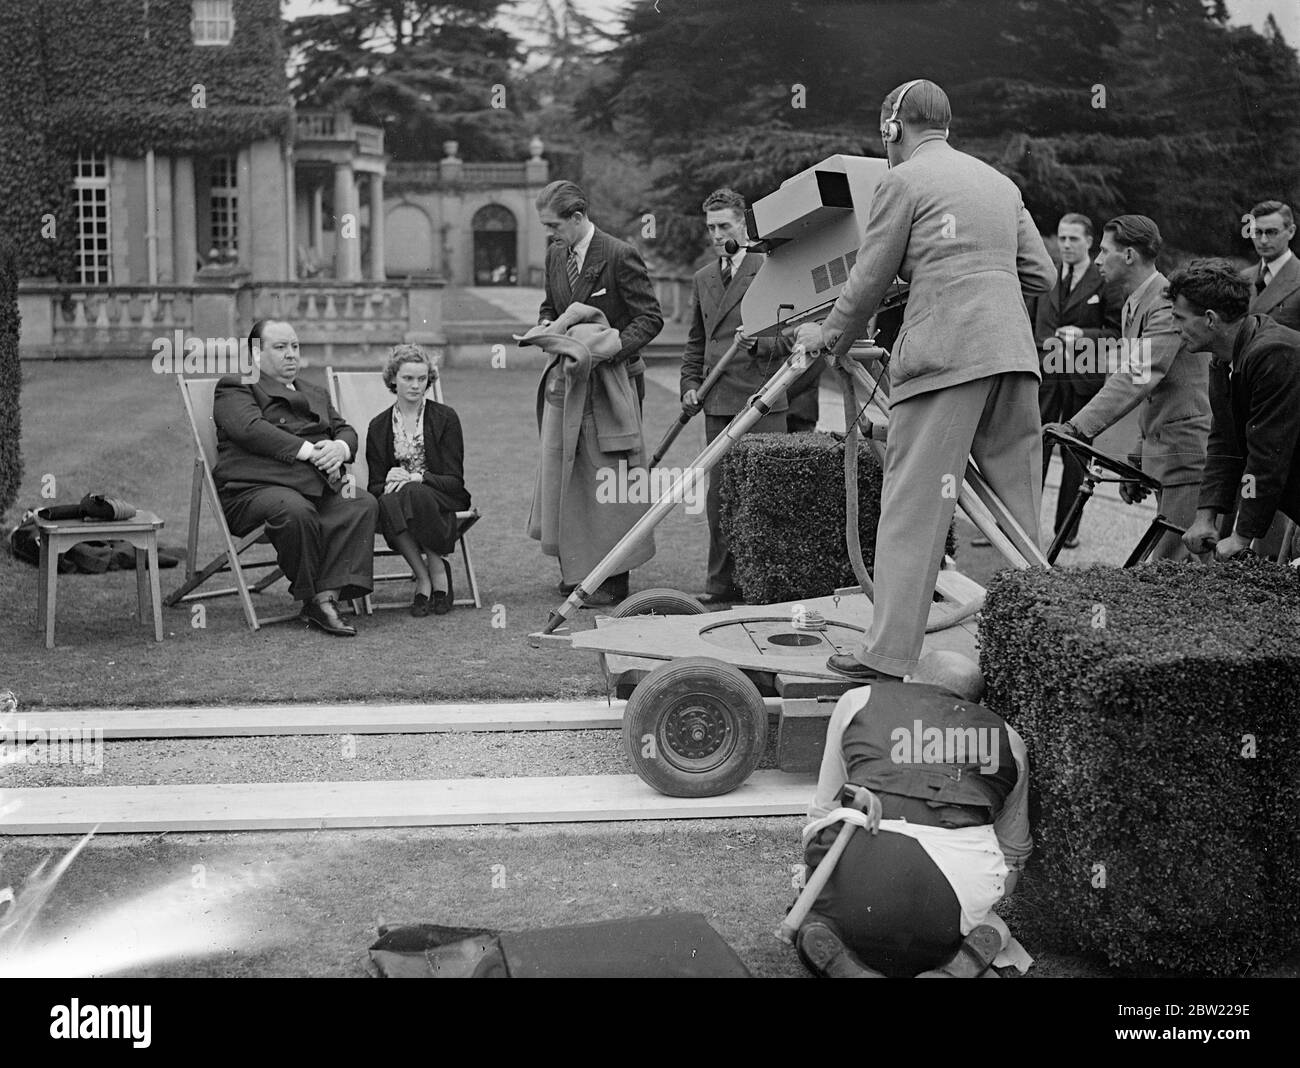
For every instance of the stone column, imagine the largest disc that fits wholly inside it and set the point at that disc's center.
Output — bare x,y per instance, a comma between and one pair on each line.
317,220
377,228
185,249
347,237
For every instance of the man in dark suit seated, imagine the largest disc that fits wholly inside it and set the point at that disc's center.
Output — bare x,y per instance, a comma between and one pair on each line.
281,448
1253,460
1068,322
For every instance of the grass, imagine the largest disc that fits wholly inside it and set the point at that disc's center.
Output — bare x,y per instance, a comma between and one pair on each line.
308,904
117,428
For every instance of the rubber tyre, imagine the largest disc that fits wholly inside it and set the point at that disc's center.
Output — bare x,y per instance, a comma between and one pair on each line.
706,725
659,602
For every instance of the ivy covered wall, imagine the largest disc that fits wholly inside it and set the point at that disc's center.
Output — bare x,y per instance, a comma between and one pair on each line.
123,77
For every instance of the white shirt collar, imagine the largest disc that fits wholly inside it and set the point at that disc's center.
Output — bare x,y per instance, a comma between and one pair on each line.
1277,264
735,260
584,243
1136,295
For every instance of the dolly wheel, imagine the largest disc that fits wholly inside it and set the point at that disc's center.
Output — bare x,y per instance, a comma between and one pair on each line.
695,727
660,602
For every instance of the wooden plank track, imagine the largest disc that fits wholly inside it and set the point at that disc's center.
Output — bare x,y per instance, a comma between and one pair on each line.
263,720
439,802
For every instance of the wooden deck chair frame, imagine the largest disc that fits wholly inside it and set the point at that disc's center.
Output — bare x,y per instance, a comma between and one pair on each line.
197,396
345,394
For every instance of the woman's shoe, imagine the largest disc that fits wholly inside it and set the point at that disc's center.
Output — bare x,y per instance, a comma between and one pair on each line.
420,606
442,600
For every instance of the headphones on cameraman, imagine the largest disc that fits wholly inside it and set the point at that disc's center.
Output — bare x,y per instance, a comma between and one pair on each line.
892,131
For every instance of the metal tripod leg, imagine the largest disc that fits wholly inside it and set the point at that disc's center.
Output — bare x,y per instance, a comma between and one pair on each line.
1158,528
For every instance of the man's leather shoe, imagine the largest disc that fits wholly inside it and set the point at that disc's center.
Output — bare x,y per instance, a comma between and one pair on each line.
566,588
973,958
851,666
822,949
325,615
731,596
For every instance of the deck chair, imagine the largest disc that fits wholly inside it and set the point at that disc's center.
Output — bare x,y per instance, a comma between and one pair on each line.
197,395
359,396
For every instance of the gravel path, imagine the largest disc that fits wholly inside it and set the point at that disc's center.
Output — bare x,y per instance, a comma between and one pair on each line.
342,758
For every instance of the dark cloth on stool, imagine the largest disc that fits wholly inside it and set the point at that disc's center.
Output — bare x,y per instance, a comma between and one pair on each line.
321,543
889,901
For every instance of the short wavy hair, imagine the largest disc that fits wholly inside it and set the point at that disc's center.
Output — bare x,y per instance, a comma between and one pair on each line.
407,354
1137,232
1213,284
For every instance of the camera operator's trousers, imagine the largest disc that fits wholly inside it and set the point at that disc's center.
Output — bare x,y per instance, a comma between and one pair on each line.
993,420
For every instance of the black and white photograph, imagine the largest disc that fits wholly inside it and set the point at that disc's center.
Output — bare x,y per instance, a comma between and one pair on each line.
617,489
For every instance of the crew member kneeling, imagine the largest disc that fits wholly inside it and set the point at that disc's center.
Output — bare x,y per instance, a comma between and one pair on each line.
945,836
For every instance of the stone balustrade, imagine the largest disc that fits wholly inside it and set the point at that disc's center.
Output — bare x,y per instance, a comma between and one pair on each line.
346,324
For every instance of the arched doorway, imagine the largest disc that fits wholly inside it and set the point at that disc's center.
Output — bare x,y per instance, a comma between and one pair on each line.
495,247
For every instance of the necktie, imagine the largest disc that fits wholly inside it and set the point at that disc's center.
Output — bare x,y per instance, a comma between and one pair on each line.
1262,281
1128,318
573,268
726,271
1067,276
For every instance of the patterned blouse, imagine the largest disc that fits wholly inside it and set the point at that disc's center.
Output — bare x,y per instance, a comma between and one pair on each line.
409,448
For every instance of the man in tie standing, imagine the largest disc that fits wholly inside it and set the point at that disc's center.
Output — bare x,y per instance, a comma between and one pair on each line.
1275,292
1153,370
964,372
718,288
1068,324
1276,277
585,265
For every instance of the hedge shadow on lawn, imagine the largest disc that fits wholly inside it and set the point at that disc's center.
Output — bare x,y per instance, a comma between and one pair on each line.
1161,709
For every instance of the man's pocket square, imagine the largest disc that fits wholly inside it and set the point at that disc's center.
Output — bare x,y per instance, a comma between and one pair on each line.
1095,299
600,293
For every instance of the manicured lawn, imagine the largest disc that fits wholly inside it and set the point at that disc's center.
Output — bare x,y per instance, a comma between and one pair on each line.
308,904
114,427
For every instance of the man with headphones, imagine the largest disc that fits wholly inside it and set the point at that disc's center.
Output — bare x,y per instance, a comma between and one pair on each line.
964,371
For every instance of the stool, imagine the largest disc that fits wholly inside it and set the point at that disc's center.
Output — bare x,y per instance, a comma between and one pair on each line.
58,536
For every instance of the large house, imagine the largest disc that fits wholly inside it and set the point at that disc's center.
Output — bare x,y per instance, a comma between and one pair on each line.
156,177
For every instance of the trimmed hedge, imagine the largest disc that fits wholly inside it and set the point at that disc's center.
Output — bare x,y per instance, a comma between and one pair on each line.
11,377
783,514
1160,841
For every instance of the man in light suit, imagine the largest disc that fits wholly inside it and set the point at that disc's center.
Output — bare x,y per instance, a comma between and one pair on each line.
1156,371
585,265
1068,322
964,372
717,291
1276,278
